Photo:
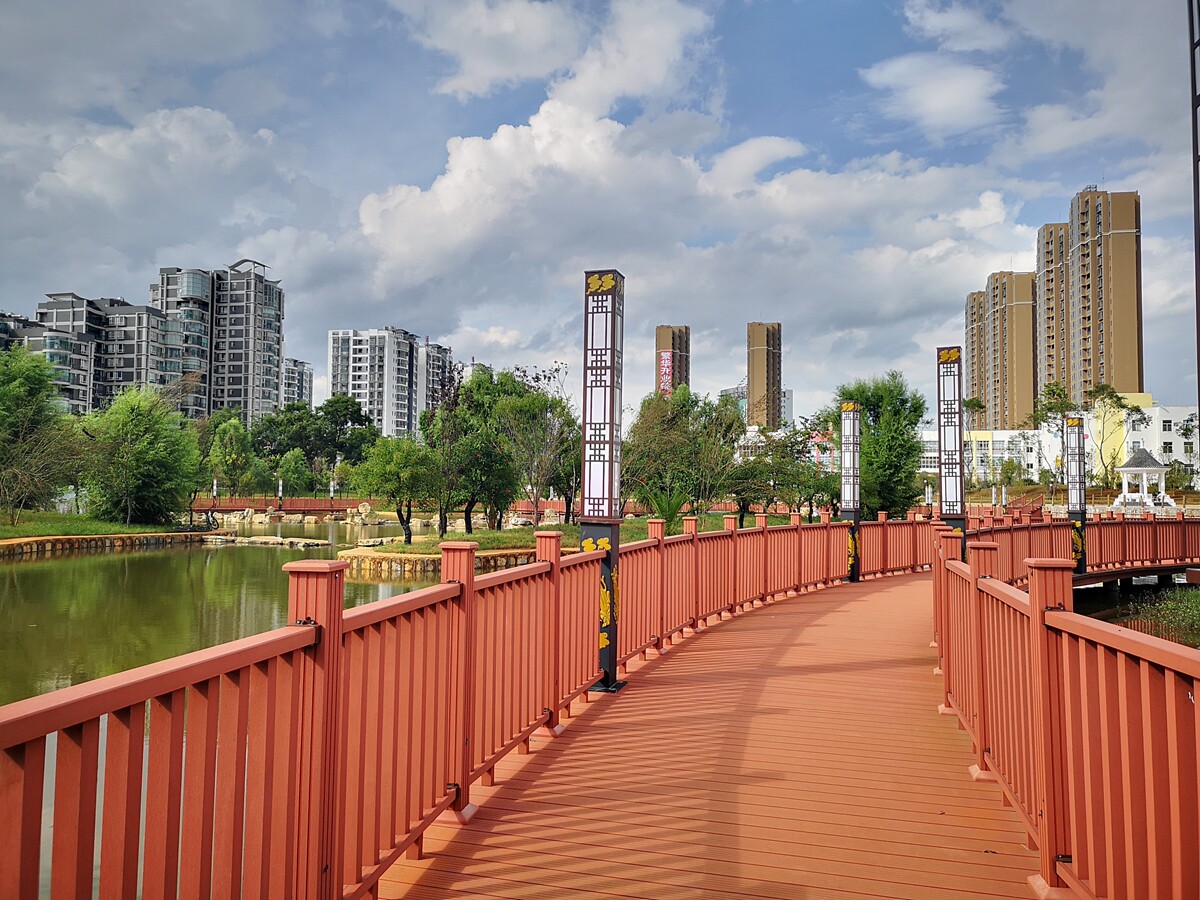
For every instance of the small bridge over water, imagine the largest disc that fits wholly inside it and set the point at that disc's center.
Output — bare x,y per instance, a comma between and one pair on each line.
779,735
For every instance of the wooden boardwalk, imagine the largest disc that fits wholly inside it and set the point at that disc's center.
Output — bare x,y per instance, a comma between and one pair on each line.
794,752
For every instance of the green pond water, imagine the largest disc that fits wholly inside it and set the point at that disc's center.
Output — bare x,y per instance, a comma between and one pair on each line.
67,620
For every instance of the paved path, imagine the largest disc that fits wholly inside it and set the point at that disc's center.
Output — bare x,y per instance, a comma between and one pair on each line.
791,753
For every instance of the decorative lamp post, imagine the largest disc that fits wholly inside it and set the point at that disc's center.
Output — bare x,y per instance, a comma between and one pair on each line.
851,508
1076,489
950,437
600,496
214,494
1004,496
332,487
279,493
929,498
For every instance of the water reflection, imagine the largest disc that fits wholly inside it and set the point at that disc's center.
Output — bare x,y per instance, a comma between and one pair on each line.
73,619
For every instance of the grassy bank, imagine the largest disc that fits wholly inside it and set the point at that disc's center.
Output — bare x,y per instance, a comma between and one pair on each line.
52,524
522,538
1173,614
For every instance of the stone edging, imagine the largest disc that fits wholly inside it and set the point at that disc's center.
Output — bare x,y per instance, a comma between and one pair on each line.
31,547
367,563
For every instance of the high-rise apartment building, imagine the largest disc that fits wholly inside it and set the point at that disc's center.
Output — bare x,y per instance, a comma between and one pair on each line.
130,346
297,383
72,355
999,360
1052,332
392,374
672,357
232,321
764,374
1105,291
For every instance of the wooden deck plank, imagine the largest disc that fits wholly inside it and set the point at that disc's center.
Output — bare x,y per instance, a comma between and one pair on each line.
793,752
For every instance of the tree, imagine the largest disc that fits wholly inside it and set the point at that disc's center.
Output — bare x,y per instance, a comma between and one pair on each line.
536,425
400,471
38,454
1111,414
682,443
231,454
890,441
292,427
568,477
973,407
751,485
1049,407
295,472
144,462
345,430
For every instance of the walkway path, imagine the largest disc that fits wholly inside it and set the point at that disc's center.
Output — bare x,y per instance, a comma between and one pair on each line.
792,753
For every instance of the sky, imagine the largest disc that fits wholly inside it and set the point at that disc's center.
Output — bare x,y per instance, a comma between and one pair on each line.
849,168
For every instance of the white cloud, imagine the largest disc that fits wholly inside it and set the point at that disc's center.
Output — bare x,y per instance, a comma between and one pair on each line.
942,96
646,50
496,43
955,26
1136,86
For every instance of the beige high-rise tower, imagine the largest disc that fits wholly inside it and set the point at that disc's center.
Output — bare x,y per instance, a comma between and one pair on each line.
764,374
1052,332
1105,291
999,349
672,357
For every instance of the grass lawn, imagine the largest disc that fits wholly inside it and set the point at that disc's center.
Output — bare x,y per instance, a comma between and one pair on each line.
632,530
52,524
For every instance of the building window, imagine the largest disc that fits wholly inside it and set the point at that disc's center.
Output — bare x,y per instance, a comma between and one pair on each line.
1167,423
1168,448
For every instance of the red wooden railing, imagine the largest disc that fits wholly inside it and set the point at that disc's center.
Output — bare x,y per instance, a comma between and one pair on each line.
303,762
1091,730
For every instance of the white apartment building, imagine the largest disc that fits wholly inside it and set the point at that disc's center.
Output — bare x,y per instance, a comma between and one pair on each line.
392,374
296,386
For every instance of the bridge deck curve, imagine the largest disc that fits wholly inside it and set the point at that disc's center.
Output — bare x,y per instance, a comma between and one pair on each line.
791,753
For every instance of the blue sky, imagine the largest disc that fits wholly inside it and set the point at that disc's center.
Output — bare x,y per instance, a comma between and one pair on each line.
851,168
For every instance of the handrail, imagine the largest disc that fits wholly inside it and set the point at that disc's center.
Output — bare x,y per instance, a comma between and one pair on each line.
309,758
1088,727
67,707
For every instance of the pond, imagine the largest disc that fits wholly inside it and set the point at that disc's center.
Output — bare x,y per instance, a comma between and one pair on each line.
72,619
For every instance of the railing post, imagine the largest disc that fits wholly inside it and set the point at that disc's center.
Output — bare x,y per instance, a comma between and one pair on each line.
549,549
315,596
731,525
911,518
656,530
939,573
826,519
458,567
1049,590
797,520
760,521
983,557
885,565
691,526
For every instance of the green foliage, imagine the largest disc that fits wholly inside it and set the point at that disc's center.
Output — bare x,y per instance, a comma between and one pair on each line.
402,472
1175,612
1011,473
295,472
38,453
890,448
231,455
1110,411
1179,476
345,430
144,459
536,426
682,442
669,508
